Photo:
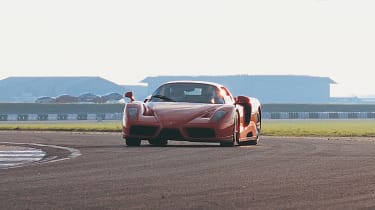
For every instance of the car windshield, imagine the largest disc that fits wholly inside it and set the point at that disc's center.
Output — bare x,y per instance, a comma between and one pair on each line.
188,92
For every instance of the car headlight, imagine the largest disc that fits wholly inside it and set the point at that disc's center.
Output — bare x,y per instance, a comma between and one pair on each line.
218,115
132,112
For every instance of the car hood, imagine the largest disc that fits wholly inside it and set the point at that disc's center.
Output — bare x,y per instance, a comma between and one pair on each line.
181,112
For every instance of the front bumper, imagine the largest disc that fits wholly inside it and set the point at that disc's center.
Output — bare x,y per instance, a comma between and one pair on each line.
202,131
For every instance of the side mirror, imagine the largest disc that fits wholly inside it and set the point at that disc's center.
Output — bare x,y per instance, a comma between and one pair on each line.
130,96
242,100
147,99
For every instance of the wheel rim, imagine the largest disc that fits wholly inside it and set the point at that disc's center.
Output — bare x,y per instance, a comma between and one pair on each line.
259,127
236,132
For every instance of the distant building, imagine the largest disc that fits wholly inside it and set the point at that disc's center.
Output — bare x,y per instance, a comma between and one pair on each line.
111,98
89,98
29,89
64,99
269,89
45,100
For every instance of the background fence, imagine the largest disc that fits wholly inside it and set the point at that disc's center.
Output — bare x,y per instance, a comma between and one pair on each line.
99,112
61,117
118,116
318,115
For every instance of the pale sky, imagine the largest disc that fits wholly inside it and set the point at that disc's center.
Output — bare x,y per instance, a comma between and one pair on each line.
107,38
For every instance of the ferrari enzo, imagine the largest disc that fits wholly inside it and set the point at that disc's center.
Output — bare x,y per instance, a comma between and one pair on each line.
192,111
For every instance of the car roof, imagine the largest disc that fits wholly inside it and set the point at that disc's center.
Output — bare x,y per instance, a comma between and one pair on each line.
194,82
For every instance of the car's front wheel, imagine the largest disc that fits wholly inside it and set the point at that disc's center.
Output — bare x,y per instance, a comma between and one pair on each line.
235,138
161,142
258,127
158,142
132,142
152,141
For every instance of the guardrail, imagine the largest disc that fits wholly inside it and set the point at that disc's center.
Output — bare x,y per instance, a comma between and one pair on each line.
60,117
318,115
118,116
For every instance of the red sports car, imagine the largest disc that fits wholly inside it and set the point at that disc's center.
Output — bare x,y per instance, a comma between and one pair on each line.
192,111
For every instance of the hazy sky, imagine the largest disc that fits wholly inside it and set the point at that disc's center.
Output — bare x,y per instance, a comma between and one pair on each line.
328,38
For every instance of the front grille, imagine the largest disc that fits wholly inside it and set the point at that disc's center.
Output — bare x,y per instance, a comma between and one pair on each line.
143,130
170,133
200,132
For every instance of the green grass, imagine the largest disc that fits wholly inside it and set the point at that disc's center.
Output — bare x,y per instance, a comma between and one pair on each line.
82,126
364,128
345,128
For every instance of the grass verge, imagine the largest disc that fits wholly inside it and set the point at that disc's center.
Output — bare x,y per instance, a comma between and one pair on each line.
82,126
345,128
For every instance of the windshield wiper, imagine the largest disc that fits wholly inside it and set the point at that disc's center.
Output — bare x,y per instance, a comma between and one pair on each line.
163,97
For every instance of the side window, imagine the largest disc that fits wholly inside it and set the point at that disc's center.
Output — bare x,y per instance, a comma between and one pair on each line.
163,90
227,95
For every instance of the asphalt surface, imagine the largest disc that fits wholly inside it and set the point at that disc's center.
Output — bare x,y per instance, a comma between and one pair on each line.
279,173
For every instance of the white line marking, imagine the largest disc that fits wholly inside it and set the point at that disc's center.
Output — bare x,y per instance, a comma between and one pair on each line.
22,155
25,156
20,152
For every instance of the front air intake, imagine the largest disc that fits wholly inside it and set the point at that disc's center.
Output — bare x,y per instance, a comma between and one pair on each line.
200,132
138,130
170,133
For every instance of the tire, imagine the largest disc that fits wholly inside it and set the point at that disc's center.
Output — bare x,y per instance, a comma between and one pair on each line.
160,142
235,138
236,133
253,142
132,142
226,144
259,126
152,141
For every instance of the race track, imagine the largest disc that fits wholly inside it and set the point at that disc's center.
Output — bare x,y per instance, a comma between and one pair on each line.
279,173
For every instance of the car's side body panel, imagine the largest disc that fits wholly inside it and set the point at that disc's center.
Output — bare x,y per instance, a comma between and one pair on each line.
250,114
